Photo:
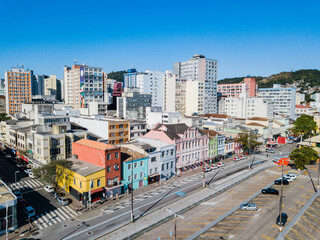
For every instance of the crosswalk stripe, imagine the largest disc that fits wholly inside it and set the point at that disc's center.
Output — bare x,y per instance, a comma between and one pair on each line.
52,217
37,223
46,220
71,210
25,182
37,183
59,214
42,222
31,183
63,213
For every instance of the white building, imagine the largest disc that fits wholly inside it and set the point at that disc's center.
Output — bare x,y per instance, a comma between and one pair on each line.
283,99
244,107
302,109
174,93
137,129
152,82
201,89
301,97
154,116
82,84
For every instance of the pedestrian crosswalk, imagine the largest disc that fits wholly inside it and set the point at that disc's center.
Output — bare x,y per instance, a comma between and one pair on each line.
49,218
298,176
26,185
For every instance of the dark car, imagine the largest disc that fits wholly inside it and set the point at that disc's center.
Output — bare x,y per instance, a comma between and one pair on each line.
284,182
284,218
54,194
270,191
23,203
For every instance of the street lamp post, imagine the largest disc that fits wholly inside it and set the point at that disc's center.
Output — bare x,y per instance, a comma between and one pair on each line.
281,197
175,215
15,177
203,174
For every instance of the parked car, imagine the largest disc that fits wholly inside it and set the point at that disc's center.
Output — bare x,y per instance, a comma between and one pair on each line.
213,167
221,164
49,189
28,171
289,179
7,156
236,159
54,194
19,165
29,211
284,182
240,157
243,156
31,175
23,203
284,218
270,191
292,176
18,195
249,207
62,201
206,169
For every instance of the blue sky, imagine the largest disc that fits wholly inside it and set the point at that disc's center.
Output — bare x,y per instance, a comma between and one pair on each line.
246,37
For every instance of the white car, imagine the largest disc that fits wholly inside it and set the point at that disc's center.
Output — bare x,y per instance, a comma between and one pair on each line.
289,179
49,189
243,156
19,165
31,175
236,159
28,171
290,175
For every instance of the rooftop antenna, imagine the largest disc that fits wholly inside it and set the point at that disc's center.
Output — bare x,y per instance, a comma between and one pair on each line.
75,62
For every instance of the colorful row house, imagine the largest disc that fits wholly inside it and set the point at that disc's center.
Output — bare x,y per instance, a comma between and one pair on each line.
192,144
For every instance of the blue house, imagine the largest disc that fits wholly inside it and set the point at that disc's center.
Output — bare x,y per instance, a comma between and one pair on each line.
136,164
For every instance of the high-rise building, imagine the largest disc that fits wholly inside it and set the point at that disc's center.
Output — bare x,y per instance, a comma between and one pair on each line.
130,78
38,84
18,84
234,90
50,83
2,87
283,99
174,93
82,84
59,89
152,82
201,75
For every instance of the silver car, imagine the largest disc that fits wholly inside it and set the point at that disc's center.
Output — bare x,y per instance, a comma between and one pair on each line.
62,201
249,207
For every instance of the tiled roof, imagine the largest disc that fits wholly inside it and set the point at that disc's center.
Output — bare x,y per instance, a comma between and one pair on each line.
302,106
255,124
216,115
173,130
259,119
95,144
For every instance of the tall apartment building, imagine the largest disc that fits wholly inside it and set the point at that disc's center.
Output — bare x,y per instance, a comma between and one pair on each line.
38,84
152,82
132,104
130,78
174,93
234,90
201,90
18,85
2,87
283,99
82,84
50,83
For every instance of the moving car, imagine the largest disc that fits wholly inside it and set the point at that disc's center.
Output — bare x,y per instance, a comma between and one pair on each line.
206,169
29,211
292,176
49,189
284,218
270,191
28,171
284,182
62,201
249,207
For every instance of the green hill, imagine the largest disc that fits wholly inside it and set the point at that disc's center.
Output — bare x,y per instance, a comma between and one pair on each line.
304,79
117,75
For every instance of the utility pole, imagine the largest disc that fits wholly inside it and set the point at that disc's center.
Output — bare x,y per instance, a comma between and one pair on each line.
203,174
132,216
90,193
7,221
175,215
281,196
318,173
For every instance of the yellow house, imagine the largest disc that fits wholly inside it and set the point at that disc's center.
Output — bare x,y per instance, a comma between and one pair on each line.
84,181
317,120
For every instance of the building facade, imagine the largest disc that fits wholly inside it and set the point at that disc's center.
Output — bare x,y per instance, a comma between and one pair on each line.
201,89
82,84
130,78
234,90
283,99
18,84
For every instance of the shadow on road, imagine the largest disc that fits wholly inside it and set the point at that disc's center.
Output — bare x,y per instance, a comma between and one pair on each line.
77,229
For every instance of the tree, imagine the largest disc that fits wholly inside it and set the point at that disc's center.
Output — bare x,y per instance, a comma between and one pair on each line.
303,156
248,141
4,117
305,125
55,173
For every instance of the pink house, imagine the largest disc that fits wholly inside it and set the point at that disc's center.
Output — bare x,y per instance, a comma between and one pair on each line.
192,144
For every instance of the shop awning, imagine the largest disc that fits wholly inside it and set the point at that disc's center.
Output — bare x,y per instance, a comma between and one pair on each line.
97,190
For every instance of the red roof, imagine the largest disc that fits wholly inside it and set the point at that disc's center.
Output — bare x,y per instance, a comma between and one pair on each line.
95,144
301,106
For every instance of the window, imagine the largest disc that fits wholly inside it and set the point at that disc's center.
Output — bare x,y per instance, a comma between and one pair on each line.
129,166
141,163
121,126
167,165
153,159
162,154
172,164
109,182
80,184
136,176
91,184
116,155
162,168
108,169
108,156
135,165
171,151
141,174
98,183
74,181
115,180
150,171
155,169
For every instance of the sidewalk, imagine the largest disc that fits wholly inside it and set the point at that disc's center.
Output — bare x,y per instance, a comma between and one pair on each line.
159,216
